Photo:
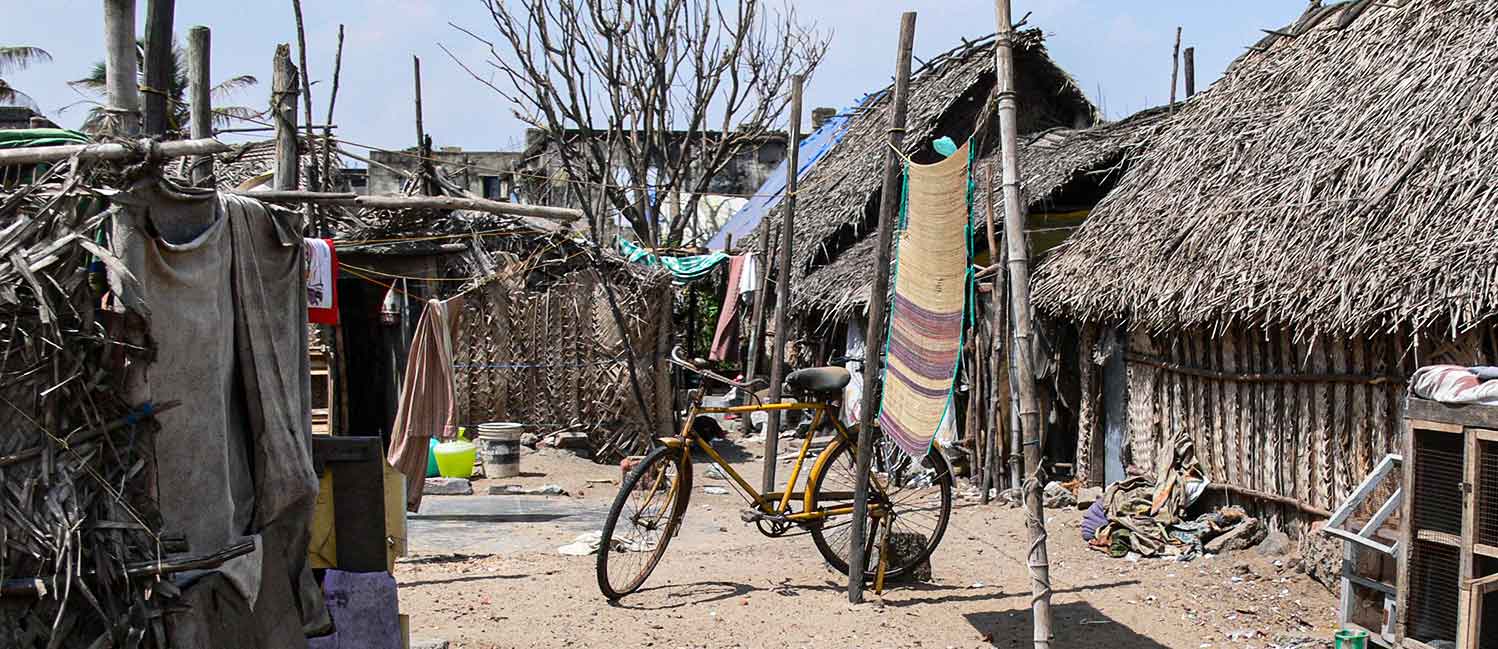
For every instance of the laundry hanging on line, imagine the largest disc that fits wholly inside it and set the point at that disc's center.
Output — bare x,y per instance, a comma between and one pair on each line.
322,281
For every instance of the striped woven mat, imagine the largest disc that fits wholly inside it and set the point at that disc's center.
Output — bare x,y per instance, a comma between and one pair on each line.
925,325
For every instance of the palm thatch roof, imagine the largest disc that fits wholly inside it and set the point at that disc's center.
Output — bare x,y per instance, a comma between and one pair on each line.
1337,179
838,198
1061,170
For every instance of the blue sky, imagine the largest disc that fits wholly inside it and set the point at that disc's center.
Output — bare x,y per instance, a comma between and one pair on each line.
1118,50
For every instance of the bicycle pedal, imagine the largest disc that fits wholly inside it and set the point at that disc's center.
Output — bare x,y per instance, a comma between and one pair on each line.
753,515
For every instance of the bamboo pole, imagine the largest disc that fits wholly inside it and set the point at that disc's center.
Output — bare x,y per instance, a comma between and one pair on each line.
122,96
283,108
889,204
338,401
199,99
1188,61
313,223
783,287
561,214
158,65
1019,282
1175,66
327,131
112,151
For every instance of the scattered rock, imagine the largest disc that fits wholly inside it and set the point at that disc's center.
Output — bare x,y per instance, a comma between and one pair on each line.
1242,634
1321,558
715,473
517,490
419,643
447,487
714,491
1088,495
1059,497
1246,534
1275,544
529,440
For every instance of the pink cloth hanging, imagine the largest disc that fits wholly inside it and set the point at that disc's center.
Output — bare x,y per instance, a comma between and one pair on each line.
426,405
725,336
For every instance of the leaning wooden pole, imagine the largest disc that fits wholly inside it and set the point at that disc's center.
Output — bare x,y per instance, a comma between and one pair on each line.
313,224
1175,67
783,287
1019,285
1188,63
122,95
200,99
283,111
757,314
889,205
158,66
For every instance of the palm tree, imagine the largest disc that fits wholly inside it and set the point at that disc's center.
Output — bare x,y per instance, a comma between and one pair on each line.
14,58
176,91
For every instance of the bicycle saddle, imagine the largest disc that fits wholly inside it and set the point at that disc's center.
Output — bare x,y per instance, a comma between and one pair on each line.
818,379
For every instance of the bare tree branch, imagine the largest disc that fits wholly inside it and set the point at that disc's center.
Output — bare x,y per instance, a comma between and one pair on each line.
640,103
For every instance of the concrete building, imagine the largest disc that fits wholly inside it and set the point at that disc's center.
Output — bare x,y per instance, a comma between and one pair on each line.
483,173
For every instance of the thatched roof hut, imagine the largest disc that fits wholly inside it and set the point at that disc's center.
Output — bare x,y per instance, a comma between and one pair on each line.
839,198
1273,266
1335,180
1063,173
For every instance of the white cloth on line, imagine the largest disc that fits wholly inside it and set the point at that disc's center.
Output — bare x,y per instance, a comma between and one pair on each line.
749,276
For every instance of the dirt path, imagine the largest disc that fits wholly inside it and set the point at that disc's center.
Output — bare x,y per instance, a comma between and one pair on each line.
721,584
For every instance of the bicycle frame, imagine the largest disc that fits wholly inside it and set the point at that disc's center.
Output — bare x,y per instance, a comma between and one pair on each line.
773,503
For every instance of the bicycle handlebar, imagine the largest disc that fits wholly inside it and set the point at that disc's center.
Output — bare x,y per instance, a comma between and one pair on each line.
681,361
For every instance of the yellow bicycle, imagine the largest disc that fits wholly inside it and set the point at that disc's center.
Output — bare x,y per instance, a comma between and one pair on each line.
909,501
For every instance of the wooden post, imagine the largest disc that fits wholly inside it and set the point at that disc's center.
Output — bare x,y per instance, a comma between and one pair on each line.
158,66
783,287
1189,62
757,314
283,111
997,326
889,205
122,102
313,224
423,151
1019,284
200,99
1175,66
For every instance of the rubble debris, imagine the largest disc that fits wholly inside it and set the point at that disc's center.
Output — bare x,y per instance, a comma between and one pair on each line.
1058,496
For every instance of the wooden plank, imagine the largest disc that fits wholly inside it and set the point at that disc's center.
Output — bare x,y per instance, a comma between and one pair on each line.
1406,533
1444,538
1362,492
1485,550
1484,434
1462,415
1232,432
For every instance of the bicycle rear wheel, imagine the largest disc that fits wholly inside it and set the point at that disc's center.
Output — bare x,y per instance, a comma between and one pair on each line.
645,515
915,496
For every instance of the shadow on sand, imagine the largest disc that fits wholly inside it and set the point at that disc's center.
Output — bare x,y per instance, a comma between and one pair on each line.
1077,625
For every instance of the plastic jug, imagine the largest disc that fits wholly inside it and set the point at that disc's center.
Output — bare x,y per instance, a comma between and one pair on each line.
455,458
432,470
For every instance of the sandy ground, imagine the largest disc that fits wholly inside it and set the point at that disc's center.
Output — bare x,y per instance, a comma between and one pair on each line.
721,584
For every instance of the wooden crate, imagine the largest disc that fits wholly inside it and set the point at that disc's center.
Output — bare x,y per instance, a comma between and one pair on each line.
1449,547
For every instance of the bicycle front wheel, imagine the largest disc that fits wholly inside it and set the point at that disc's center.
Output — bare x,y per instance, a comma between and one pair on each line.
645,515
914,500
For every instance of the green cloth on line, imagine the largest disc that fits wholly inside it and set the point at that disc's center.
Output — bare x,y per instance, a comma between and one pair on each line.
684,269
29,137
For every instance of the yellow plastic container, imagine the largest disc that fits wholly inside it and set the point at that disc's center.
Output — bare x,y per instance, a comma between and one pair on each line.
455,458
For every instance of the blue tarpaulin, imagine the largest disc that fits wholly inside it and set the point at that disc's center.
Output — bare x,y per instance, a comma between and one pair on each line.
743,222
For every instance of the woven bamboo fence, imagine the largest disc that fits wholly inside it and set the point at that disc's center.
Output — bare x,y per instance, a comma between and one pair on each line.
1294,418
553,358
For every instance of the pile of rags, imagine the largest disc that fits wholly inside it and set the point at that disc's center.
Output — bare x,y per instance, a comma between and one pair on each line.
1145,515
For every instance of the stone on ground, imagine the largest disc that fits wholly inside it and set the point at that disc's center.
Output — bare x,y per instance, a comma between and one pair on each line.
447,487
